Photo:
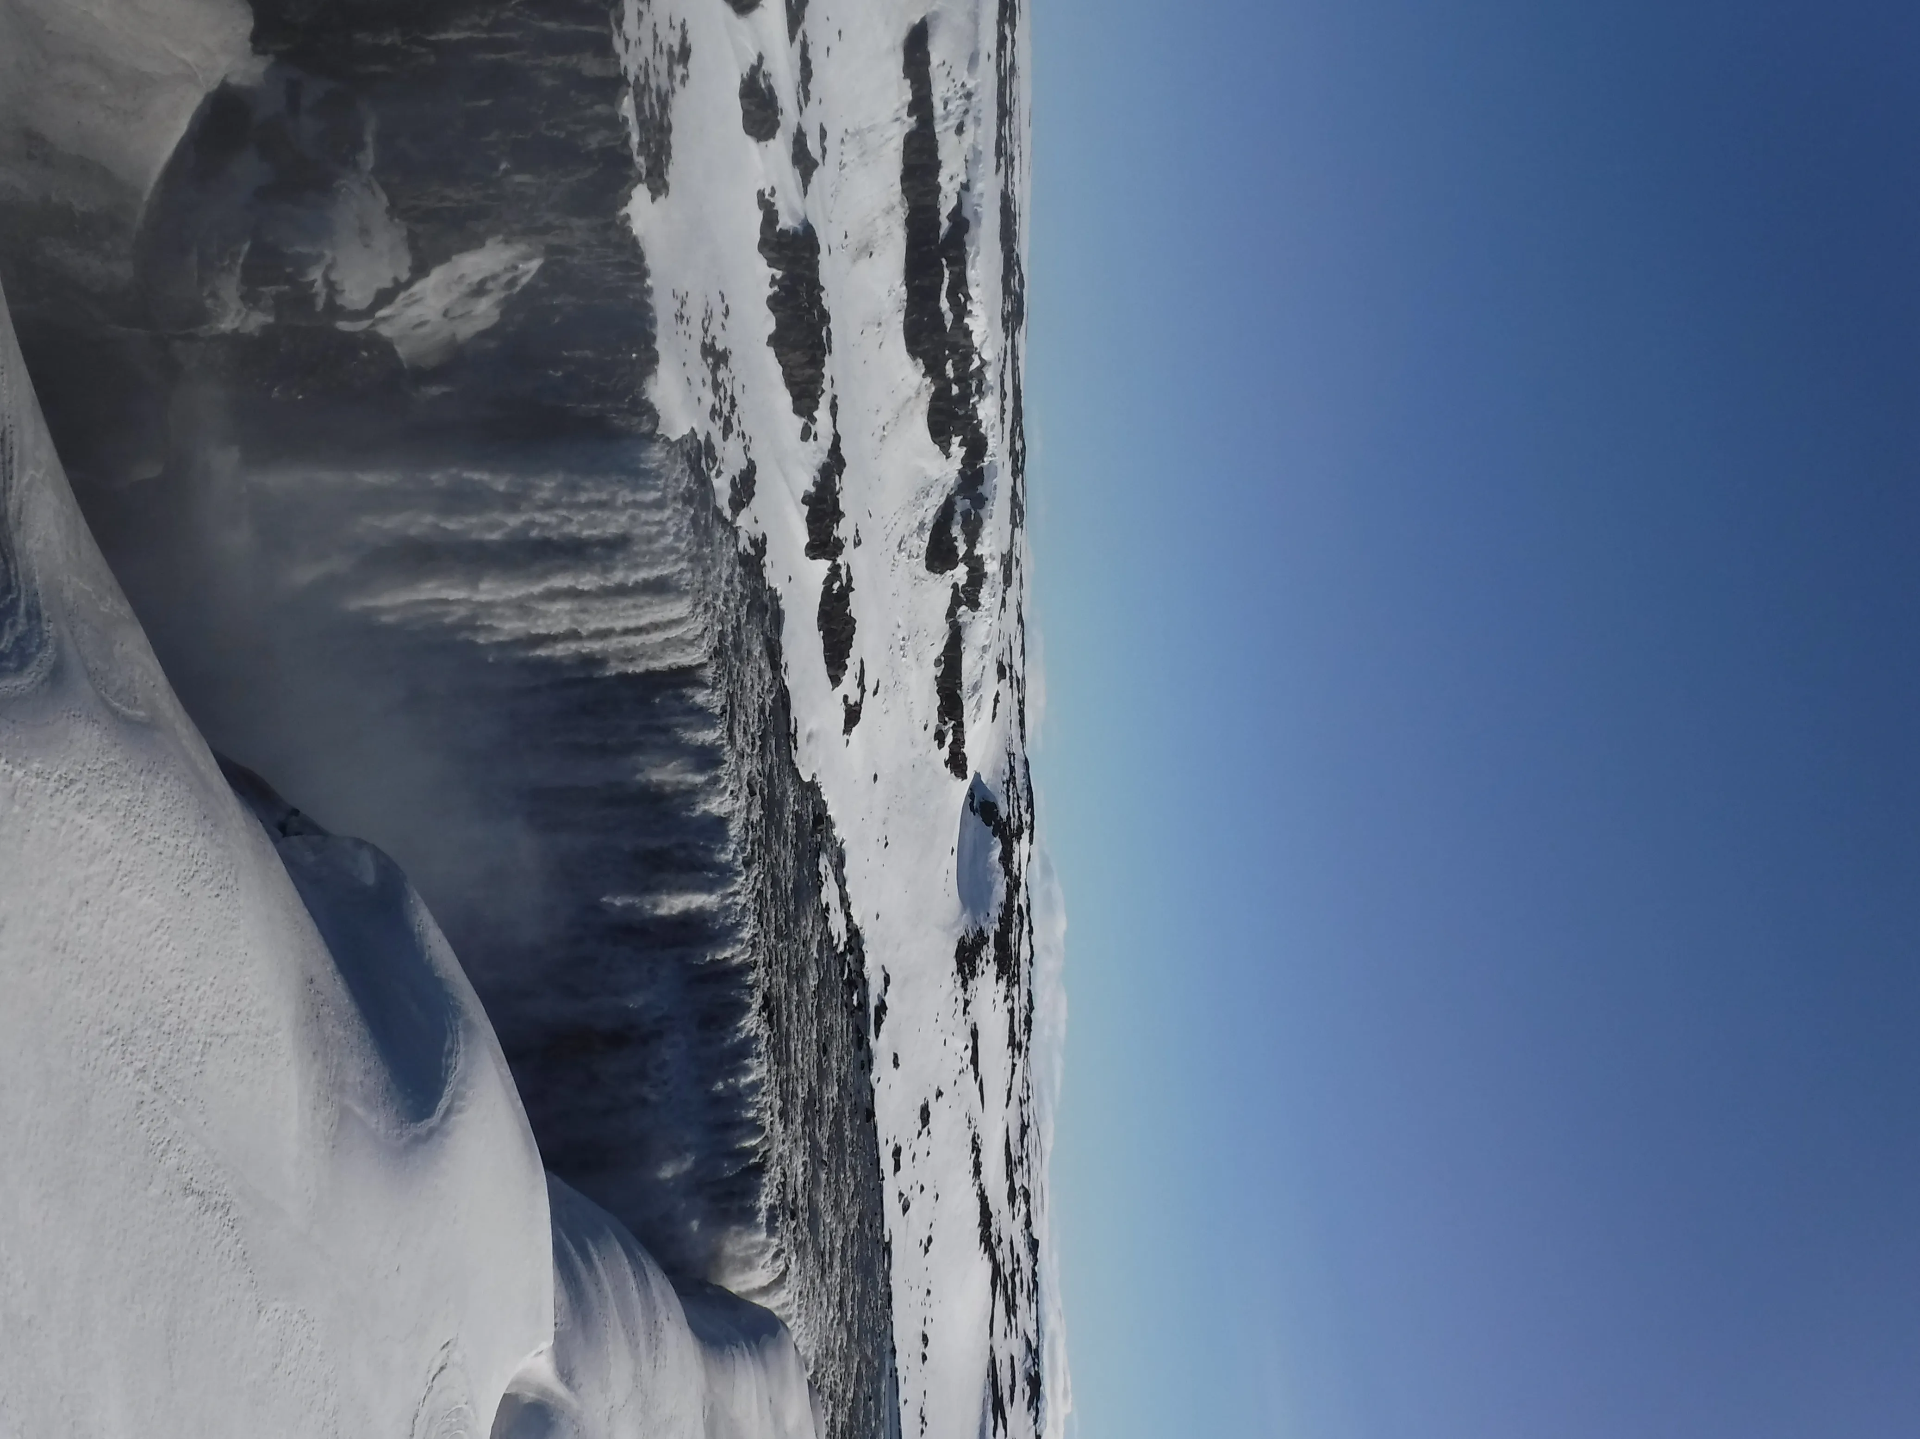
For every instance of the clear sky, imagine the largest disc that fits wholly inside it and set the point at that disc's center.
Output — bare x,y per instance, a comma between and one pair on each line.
1477,484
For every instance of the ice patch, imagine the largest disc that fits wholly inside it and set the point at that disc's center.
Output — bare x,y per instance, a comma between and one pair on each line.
453,302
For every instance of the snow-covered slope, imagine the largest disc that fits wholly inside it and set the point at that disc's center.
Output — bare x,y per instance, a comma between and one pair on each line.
266,1171
831,211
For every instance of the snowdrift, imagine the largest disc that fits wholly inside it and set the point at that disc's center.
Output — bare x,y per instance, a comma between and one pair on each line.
265,1169
633,1359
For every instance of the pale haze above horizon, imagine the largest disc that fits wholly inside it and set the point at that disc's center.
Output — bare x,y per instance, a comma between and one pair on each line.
1476,451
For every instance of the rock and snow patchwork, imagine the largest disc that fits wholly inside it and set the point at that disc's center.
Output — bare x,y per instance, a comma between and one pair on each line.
266,1171
831,211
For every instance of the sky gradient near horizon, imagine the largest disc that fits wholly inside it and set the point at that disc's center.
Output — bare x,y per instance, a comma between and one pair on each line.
1476,473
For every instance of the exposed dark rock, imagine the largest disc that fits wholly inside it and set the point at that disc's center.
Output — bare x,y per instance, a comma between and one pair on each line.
836,621
740,489
949,731
796,12
975,582
938,326
1013,1249
822,501
759,105
1007,146
850,708
943,551
967,955
660,67
801,326
961,419
724,408
925,324
803,160
938,309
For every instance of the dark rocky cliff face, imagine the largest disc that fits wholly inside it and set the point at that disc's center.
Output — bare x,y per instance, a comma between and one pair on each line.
354,401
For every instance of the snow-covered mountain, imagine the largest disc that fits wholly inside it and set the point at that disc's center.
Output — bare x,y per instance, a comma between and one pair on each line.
579,451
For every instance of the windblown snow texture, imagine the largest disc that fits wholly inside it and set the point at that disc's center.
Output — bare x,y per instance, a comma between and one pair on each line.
267,1172
633,1357
583,454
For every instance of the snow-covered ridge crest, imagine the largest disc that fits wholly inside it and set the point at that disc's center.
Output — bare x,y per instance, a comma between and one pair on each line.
831,204
235,1201
266,1171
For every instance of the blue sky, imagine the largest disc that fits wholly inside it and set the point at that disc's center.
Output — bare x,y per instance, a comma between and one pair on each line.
1477,489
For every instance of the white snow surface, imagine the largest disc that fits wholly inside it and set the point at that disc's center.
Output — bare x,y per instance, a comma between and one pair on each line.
633,1359
265,1170
238,1196
452,302
962,1101
113,82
